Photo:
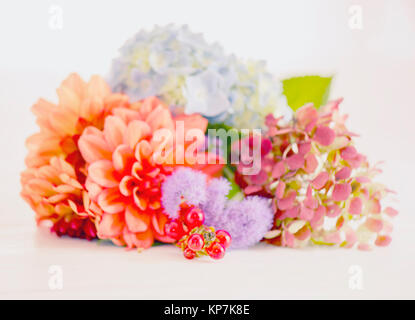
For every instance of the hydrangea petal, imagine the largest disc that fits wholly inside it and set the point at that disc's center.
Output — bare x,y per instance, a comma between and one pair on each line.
295,162
278,170
287,202
333,237
307,114
341,191
279,191
306,213
391,211
343,173
320,181
311,163
333,211
324,135
356,205
349,153
374,225
293,212
383,241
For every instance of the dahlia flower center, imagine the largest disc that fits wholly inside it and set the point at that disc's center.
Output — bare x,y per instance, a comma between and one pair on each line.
143,186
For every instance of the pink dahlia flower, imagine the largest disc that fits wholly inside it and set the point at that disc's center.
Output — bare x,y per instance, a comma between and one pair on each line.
126,171
321,187
53,183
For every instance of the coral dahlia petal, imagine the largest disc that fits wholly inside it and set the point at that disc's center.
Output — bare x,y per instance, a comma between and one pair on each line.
111,201
136,131
93,146
123,160
102,172
141,240
137,221
54,182
114,130
110,225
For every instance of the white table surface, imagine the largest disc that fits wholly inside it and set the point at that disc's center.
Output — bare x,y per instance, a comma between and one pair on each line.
374,70
92,270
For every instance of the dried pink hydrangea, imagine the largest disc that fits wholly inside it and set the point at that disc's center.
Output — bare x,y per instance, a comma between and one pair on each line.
322,188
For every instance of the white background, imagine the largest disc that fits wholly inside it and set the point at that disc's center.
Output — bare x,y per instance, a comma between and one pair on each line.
374,71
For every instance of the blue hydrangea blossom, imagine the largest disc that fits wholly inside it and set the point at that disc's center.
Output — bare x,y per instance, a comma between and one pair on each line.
192,76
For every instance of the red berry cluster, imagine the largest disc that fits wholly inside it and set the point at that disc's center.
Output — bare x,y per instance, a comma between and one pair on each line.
194,238
76,227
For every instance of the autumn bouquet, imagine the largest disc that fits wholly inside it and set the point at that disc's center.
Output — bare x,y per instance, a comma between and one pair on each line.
185,144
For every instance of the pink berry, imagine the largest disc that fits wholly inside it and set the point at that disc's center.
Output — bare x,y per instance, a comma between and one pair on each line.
189,254
174,229
195,242
224,238
216,250
194,217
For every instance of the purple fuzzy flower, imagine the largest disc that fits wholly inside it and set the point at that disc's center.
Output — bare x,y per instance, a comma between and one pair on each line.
186,185
247,221
216,199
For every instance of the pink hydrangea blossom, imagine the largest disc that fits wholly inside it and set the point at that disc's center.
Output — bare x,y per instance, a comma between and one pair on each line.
314,175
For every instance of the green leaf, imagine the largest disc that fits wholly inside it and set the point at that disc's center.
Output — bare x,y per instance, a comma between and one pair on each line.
302,90
321,243
105,242
235,191
226,141
217,126
157,244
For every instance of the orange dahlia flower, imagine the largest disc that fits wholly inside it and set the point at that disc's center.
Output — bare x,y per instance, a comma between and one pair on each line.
125,171
53,183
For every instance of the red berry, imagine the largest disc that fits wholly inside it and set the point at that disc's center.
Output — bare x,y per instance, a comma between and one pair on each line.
195,242
189,254
224,238
63,226
194,218
76,224
174,229
216,250
90,230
